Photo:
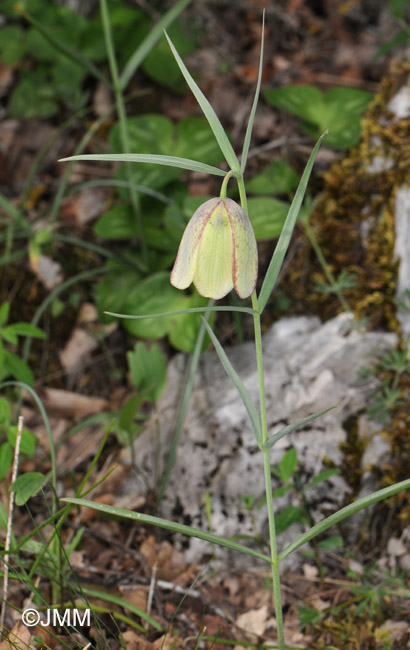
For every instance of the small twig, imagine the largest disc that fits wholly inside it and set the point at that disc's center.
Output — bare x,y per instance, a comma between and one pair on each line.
9,523
151,591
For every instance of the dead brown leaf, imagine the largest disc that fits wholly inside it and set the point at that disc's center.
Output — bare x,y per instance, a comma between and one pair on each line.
73,405
19,639
253,621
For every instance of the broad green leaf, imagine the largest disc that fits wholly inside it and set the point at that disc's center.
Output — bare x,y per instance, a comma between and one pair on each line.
27,486
9,335
342,514
301,100
157,135
169,525
208,111
114,288
26,329
12,44
243,391
17,368
277,178
286,234
331,543
351,101
267,217
4,412
194,135
60,46
186,327
27,442
4,313
117,223
286,517
129,26
153,295
148,370
288,464
171,161
249,128
322,476
292,427
338,110
6,459
148,43
32,98
126,422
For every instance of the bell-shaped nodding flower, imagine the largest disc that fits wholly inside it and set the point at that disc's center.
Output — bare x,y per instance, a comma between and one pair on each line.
218,251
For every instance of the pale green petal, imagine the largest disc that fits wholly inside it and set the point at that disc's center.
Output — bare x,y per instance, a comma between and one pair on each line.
213,270
184,268
245,252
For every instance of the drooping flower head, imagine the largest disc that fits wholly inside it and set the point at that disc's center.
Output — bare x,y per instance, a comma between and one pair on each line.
218,251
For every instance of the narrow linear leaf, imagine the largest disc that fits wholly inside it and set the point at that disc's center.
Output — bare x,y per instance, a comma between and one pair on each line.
342,514
124,603
291,427
220,135
148,43
173,526
8,207
249,128
243,391
169,161
287,230
192,310
69,52
111,182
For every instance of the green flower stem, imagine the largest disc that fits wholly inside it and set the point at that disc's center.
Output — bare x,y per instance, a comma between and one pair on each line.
225,182
268,480
122,118
266,460
325,266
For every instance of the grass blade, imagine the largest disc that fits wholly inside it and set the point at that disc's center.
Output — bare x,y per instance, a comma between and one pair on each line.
173,526
342,514
287,230
292,427
148,43
192,310
219,133
121,602
8,207
169,161
243,391
249,128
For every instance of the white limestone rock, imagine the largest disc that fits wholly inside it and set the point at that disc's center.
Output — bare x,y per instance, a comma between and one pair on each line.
309,367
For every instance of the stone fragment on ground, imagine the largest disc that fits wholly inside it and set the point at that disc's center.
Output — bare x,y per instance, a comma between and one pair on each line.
309,366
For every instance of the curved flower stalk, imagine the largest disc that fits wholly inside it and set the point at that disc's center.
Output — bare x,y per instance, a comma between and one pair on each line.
218,251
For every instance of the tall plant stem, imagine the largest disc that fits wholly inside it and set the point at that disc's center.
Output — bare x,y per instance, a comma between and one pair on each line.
277,602
122,119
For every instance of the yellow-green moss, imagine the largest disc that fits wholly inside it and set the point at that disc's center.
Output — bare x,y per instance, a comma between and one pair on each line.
354,222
